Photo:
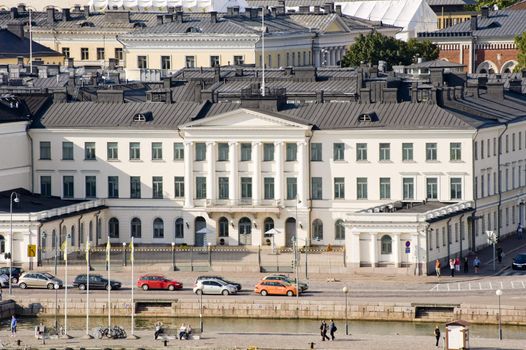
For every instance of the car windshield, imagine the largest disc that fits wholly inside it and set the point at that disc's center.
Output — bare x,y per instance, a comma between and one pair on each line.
48,275
521,258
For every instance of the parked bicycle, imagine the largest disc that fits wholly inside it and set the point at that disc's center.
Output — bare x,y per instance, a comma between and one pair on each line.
114,332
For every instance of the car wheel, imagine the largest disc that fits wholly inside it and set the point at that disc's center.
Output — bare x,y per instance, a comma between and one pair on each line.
108,287
263,292
290,293
171,287
145,287
23,285
199,292
82,286
50,286
225,292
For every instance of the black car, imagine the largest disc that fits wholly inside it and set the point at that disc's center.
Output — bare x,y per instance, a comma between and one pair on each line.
95,282
15,273
237,285
519,262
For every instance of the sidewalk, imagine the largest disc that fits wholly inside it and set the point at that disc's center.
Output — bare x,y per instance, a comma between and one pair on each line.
510,245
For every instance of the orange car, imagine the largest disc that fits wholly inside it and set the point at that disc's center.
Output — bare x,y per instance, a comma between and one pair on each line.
267,287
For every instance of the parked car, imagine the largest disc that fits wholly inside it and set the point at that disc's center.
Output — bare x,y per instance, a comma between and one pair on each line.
15,273
39,280
157,282
519,262
276,287
214,286
95,282
303,286
238,285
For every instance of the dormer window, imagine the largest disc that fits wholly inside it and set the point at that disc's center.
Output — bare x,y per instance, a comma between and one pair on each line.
367,117
87,24
139,117
193,30
139,25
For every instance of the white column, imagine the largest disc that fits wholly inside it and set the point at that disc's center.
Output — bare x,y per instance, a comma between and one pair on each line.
256,186
396,250
210,181
373,250
233,181
188,175
278,177
333,56
316,58
352,247
302,175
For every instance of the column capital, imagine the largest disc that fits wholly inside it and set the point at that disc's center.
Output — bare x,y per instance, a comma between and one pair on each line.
210,143
232,143
188,143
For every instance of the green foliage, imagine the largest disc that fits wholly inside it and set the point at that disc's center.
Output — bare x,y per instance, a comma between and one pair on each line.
520,42
489,3
374,47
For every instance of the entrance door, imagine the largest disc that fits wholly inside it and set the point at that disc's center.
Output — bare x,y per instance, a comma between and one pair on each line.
200,231
290,231
245,231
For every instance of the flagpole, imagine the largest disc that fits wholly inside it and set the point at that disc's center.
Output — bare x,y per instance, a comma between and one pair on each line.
132,259
30,44
108,248
87,335
65,335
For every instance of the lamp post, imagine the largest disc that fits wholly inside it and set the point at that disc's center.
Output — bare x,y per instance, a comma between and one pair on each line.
12,198
345,290
124,254
42,240
209,254
173,256
201,326
498,292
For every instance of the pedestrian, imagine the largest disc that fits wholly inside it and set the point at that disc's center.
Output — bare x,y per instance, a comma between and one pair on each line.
457,264
182,332
0,291
332,329
452,267
499,255
466,264
438,265
437,335
13,325
476,264
519,231
323,331
158,330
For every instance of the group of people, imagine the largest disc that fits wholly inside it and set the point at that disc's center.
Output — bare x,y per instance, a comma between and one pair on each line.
324,328
185,332
454,265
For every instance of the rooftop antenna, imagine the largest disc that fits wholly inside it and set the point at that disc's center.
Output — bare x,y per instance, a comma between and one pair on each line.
263,51
30,44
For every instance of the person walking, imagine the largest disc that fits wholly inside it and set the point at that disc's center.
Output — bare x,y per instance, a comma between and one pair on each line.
452,267
457,264
438,265
476,264
519,231
323,331
332,329
499,255
466,264
13,325
437,335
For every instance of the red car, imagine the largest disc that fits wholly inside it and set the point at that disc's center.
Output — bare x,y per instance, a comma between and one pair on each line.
157,282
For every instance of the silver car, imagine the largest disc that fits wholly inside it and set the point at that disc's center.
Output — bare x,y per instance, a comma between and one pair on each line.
213,286
39,280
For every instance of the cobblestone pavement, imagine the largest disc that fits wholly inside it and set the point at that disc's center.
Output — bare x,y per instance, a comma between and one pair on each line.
257,341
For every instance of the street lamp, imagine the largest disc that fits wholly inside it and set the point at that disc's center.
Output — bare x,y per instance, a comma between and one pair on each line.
201,311
11,200
209,254
123,253
498,292
173,256
42,241
345,290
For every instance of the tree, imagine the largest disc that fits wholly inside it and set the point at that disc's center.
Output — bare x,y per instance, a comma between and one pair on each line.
374,47
520,42
489,3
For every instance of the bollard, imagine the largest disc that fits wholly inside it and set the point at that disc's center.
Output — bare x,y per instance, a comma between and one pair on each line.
18,342
165,342
312,345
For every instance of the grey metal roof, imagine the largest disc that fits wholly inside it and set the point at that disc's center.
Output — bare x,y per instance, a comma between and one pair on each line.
12,46
450,2
296,3
32,202
436,64
339,86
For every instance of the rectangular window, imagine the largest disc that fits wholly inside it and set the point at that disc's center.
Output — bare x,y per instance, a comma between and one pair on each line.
166,62
45,150
513,142
361,151
157,150
113,187
317,188
507,216
488,146
100,53
407,151
238,60
489,184
481,149
119,53
89,151
222,151
431,151
142,62
135,151
338,151
246,152
200,151
178,186
431,188
292,188
443,236
385,151
385,188
67,150
178,151
408,184
482,183
456,231
456,187
507,179
455,151
66,52
135,187
45,186
68,187
190,61
91,186
223,189
157,187
200,187
292,152
246,188
361,188
520,140
214,61
113,150
84,54
268,188
268,152
339,188
316,152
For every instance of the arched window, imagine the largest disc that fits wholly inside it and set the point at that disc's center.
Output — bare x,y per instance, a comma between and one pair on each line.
99,229
268,224
2,244
81,233
136,229
53,239
158,228
43,246
317,230
90,229
245,226
73,235
223,227
113,225
387,244
179,228
339,230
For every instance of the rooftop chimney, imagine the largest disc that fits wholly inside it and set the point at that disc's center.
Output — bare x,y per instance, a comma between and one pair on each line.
117,16
213,16
50,16
253,13
110,96
21,8
495,90
169,18
160,19
304,9
16,28
230,11
14,12
86,11
473,23
484,11
171,9
66,15
235,10
339,10
329,7
179,17
76,8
